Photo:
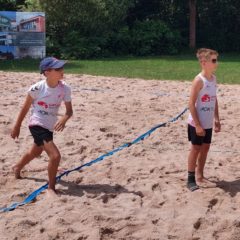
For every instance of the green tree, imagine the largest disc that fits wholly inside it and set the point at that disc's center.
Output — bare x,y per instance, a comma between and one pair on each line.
31,6
173,12
218,24
10,5
91,28
75,26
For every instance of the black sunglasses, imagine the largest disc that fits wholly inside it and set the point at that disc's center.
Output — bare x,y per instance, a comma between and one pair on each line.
214,60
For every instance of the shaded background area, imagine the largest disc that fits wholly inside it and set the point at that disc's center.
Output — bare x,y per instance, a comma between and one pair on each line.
108,28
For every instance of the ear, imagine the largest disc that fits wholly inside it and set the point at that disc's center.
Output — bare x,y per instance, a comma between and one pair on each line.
46,73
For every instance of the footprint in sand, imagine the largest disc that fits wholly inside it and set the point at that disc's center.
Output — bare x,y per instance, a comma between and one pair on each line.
198,223
106,231
27,223
18,196
212,203
105,198
70,143
156,187
155,221
78,151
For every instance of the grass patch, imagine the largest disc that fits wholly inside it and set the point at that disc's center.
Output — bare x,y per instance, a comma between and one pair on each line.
181,67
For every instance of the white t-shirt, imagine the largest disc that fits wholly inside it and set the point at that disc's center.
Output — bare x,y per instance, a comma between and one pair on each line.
46,103
205,104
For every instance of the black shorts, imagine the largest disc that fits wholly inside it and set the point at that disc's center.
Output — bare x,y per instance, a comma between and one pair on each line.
40,134
199,140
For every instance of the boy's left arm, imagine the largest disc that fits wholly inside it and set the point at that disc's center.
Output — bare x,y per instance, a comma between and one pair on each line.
60,125
217,119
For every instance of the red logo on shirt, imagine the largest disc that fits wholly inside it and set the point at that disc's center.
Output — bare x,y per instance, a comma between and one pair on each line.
43,104
205,98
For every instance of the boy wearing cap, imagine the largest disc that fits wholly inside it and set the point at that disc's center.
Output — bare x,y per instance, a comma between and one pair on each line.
45,97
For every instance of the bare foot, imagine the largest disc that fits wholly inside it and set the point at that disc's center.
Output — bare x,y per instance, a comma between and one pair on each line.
52,193
202,179
204,182
17,172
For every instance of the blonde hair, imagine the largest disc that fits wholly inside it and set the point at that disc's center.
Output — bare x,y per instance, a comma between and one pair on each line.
205,53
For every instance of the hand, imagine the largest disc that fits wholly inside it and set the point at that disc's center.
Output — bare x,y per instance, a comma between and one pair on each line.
60,125
217,127
15,132
200,131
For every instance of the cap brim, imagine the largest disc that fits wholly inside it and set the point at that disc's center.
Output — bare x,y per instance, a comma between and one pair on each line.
58,64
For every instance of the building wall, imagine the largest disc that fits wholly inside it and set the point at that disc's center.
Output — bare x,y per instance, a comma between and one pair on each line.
5,24
36,24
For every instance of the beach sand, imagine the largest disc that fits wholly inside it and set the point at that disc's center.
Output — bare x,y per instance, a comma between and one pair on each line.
138,193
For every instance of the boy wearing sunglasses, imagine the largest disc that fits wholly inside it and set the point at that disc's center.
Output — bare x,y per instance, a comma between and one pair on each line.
45,98
203,106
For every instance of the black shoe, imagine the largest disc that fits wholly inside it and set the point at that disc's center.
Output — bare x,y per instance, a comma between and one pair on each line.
192,186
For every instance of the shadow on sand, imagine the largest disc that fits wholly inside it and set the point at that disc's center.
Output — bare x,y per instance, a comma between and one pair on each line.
232,187
74,189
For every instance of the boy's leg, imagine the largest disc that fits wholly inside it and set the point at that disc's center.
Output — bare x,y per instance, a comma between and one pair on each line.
34,152
192,159
54,159
201,161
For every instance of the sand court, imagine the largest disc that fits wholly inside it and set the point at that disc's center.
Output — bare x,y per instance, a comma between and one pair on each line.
138,193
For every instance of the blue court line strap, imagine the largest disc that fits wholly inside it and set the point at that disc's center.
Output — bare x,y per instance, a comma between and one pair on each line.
34,194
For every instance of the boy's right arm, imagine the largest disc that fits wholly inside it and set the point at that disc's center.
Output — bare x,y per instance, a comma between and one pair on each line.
25,108
197,85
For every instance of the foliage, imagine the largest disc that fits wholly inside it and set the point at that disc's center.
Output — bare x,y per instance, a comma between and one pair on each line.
104,28
10,5
154,37
120,42
149,37
84,30
219,24
31,6
76,46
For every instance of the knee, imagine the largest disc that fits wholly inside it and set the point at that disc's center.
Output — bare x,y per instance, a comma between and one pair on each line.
55,157
196,148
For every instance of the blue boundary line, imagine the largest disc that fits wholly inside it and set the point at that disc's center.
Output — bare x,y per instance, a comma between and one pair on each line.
34,194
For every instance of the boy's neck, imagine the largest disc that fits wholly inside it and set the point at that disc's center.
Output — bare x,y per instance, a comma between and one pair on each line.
207,74
52,83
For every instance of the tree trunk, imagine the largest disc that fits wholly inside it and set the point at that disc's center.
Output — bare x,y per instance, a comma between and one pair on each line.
192,22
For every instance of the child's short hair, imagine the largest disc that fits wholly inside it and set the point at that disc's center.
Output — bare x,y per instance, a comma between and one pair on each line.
205,53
